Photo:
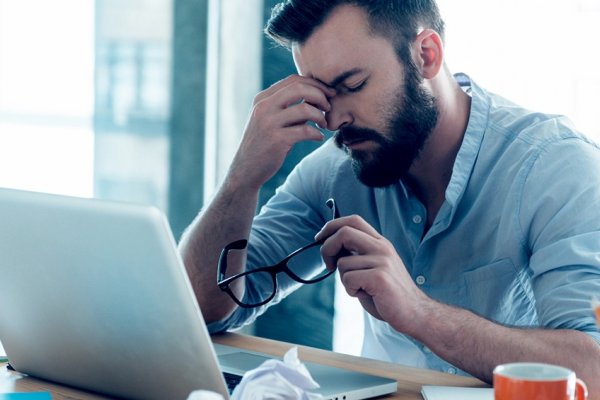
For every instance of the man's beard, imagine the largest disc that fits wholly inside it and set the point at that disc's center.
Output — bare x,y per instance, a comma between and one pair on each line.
413,116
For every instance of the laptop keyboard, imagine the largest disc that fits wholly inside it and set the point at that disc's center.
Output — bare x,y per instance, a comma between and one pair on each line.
231,380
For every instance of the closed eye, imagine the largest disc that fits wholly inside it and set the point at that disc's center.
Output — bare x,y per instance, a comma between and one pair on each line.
356,88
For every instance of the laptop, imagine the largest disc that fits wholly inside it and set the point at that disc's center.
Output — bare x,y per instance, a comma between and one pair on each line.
95,296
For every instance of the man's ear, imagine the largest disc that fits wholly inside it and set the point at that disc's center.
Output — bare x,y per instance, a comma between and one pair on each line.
428,53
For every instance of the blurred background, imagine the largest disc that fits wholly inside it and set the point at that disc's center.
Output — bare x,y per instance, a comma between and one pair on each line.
145,100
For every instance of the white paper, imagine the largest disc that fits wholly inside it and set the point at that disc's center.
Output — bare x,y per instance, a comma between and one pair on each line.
278,380
204,395
2,352
456,393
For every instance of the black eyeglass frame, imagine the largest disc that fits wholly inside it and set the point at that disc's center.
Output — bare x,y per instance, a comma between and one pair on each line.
273,270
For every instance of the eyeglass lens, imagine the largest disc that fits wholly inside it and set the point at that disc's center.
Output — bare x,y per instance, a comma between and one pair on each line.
305,265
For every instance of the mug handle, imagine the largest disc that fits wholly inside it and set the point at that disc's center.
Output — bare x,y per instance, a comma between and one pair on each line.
581,392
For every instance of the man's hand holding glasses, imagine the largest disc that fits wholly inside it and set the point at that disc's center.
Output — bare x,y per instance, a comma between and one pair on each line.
303,265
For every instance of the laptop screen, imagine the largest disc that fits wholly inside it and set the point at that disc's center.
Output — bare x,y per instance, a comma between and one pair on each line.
95,295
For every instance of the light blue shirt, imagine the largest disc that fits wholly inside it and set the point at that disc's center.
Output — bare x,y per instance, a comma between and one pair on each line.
517,239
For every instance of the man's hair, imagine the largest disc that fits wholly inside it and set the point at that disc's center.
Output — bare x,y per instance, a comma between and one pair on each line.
294,21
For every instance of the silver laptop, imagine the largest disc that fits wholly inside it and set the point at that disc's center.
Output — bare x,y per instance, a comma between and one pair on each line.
95,295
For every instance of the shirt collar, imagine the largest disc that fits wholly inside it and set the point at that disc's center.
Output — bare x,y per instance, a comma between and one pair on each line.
469,149
471,144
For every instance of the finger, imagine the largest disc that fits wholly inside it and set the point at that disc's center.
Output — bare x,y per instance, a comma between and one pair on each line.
294,80
302,132
300,114
354,281
348,240
353,221
297,93
275,87
355,262
301,89
328,90
364,278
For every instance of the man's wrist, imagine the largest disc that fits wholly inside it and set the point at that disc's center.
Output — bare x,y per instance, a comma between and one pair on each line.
238,181
427,318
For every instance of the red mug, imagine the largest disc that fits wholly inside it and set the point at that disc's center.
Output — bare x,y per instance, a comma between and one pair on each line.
537,381
596,307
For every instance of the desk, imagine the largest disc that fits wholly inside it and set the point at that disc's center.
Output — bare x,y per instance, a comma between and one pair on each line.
410,380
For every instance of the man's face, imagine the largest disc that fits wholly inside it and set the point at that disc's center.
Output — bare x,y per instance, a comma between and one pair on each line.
381,112
409,119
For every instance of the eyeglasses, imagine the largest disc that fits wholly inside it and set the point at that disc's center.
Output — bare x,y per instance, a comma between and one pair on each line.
303,265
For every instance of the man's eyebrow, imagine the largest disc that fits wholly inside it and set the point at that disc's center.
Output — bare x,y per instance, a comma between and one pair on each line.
341,77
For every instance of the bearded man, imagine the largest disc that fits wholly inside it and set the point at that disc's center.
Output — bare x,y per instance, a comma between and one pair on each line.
469,226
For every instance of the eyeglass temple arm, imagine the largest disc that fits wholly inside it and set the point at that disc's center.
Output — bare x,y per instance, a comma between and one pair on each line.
336,214
242,243
237,245
331,204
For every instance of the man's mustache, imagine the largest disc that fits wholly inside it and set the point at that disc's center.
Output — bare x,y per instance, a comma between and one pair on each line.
352,134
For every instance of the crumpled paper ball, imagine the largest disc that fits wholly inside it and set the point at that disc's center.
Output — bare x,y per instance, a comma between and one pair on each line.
278,380
204,395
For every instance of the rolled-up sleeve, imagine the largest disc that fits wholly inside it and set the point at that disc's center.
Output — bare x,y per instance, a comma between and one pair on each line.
561,209
289,220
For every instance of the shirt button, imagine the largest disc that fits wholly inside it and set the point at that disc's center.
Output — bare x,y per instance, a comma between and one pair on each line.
417,219
420,280
452,370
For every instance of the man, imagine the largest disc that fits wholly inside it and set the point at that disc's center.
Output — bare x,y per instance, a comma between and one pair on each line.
469,228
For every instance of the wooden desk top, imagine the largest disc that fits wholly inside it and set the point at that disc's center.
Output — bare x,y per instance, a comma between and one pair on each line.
409,380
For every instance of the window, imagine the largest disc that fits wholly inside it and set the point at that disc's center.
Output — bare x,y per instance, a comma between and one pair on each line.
536,53
84,97
46,95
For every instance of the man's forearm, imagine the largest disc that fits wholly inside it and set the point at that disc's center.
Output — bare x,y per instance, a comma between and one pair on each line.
477,345
227,218
277,122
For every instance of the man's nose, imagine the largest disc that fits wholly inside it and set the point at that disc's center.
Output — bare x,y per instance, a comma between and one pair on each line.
339,114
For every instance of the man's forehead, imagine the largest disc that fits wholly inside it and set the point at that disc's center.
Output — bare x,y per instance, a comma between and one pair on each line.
334,47
326,73
337,66
343,44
